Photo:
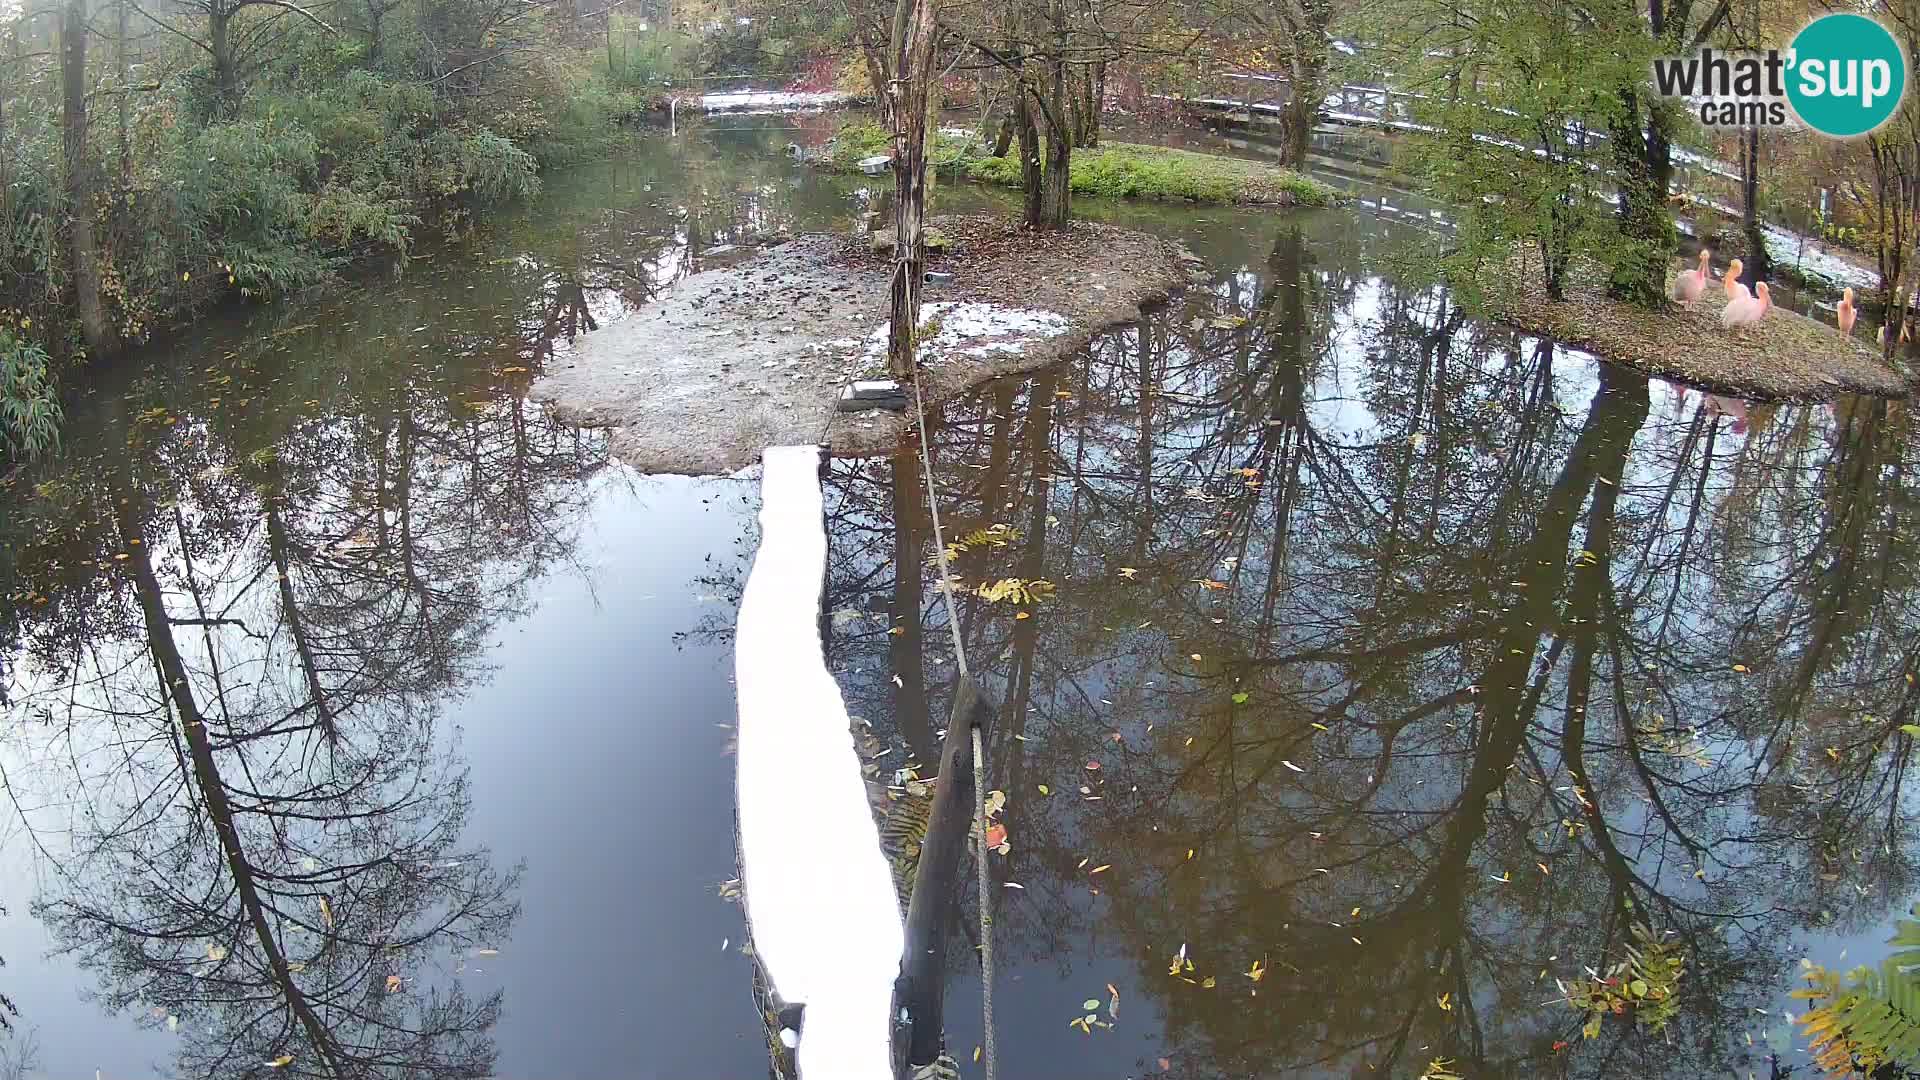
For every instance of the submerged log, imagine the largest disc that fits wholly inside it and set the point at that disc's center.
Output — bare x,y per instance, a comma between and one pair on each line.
919,994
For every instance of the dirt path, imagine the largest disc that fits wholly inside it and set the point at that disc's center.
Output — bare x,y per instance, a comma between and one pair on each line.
730,361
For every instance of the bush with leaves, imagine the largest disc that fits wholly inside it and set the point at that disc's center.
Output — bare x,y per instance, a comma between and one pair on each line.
29,410
1867,1022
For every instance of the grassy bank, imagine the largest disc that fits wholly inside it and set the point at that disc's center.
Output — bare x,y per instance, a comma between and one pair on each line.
1133,171
1112,170
1785,357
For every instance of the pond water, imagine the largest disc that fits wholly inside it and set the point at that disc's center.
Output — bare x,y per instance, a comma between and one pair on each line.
1381,665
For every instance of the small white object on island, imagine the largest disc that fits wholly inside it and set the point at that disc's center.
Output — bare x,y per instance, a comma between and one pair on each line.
819,894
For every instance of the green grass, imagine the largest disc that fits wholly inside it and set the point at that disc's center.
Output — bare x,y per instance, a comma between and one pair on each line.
1132,171
859,139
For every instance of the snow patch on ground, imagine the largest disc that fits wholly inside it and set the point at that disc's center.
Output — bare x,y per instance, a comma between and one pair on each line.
770,101
972,329
819,893
1810,257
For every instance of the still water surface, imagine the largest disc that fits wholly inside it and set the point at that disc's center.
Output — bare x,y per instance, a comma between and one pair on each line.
1402,661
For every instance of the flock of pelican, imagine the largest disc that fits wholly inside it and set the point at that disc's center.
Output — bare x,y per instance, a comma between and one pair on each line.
1748,306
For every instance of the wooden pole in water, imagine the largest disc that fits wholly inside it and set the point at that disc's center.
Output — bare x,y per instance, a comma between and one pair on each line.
920,992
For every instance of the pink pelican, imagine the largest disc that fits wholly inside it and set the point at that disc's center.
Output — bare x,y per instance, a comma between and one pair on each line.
1731,282
1844,313
1745,310
1691,283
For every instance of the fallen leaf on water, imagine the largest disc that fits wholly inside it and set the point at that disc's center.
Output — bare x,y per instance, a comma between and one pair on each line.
1240,698
326,911
1211,584
1258,971
1911,729
1090,1003
996,835
1165,1064
1291,765
393,981
1445,1001
280,1062
1100,868
1013,885
1742,668
1044,790
1128,571
488,952
1196,658
976,1053
1207,982
1093,765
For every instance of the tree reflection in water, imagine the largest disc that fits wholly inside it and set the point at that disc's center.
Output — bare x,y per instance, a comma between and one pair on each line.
250,628
1421,663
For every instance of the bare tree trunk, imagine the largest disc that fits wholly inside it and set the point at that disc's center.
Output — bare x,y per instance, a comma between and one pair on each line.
120,62
1029,133
83,252
908,97
1096,102
1056,191
1303,105
226,72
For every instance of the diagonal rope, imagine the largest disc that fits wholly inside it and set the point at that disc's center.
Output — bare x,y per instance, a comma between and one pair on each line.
979,756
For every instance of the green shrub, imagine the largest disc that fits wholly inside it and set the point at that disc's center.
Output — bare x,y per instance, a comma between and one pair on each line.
30,412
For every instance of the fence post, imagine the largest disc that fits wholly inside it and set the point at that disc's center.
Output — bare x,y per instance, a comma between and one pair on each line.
919,994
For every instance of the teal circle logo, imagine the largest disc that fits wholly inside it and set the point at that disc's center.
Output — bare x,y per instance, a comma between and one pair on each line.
1846,75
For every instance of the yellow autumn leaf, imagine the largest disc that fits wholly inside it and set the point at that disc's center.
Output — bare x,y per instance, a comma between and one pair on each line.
1445,1001
1258,971
280,1062
326,912
1207,982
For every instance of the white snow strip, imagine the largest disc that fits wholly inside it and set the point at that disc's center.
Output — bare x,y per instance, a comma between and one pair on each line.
976,329
819,895
770,100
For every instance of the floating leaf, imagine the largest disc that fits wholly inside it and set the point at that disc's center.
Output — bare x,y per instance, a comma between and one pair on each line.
393,983
996,835
1090,1003
1044,790
1240,698
1911,729
1741,668
280,1062
1093,766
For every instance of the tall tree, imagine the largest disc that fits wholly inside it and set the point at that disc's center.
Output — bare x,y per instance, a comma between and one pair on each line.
83,252
908,93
